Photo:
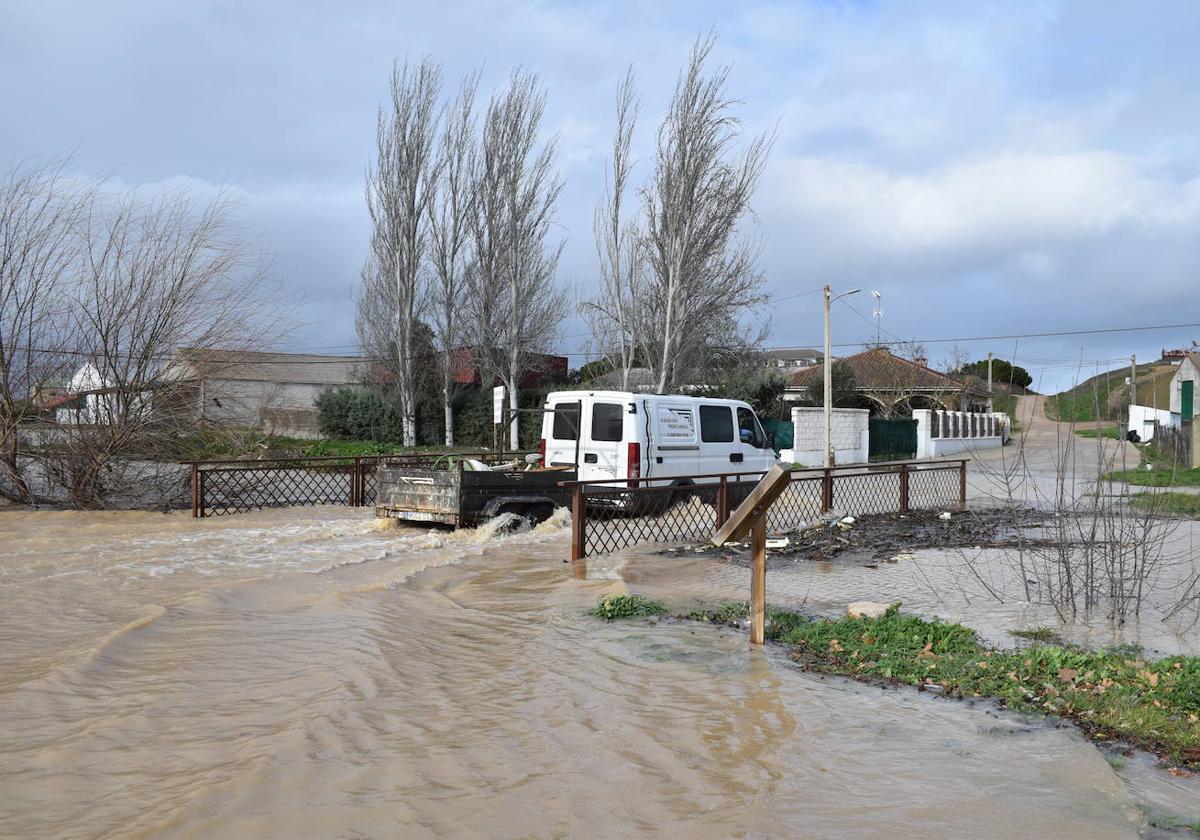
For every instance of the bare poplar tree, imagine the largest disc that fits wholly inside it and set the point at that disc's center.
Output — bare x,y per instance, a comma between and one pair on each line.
38,249
701,278
450,233
515,305
611,314
398,192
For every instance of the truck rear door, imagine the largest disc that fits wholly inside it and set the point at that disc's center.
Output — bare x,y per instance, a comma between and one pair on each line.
560,430
602,447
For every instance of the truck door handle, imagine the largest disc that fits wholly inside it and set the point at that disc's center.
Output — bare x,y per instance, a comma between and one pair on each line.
590,458
735,457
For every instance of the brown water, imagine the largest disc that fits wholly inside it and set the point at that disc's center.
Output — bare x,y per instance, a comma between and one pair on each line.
303,673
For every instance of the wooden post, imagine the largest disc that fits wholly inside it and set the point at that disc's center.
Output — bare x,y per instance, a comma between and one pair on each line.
722,502
195,490
827,492
758,579
751,516
200,492
962,485
904,488
354,484
578,523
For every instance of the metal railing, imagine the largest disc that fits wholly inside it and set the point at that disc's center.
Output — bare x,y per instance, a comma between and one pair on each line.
223,487
607,518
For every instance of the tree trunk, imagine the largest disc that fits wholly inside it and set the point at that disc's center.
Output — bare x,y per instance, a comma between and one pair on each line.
514,427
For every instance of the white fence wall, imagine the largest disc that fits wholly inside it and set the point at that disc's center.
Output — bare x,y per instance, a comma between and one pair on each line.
1142,417
958,431
850,436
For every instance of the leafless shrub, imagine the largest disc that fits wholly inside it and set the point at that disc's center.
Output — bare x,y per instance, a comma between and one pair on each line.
1099,555
39,212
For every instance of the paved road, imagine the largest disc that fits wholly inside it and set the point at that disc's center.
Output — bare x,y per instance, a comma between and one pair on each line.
1045,460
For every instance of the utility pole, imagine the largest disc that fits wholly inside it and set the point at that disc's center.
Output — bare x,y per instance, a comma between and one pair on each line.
828,391
1133,379
989,372
829,458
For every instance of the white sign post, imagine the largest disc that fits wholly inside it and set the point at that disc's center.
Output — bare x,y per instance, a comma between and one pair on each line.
497,415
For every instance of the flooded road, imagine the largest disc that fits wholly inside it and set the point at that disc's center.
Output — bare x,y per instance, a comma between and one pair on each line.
303,673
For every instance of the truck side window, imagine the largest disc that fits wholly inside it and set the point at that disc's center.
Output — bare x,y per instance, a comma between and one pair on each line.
608,421
716,424
566,421
749,429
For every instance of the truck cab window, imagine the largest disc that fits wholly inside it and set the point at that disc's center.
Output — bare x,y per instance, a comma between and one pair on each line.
749,430
608,421
716,424
566,421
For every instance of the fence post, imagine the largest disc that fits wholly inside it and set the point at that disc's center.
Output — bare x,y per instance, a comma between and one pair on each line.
722,502
904,488
195,490
827,491
758,579
200,492
354,484
962,484
578,524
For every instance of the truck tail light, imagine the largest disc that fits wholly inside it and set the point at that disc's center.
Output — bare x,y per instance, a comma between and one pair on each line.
542,450
634,461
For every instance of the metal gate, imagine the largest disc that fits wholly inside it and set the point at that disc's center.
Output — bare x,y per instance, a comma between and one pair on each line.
892,440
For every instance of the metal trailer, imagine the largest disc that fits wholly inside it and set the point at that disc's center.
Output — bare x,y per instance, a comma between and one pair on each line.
466,498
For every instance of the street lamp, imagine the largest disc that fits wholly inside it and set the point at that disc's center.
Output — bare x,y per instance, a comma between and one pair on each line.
829,377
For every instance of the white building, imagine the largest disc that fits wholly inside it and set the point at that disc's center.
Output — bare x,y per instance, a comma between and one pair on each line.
1184,388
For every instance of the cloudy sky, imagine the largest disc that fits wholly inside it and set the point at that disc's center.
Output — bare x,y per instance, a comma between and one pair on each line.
991,168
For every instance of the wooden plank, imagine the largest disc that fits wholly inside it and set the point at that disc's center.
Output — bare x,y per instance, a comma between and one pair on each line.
758,579
741,520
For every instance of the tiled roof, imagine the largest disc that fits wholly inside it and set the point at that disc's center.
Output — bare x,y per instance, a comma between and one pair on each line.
878,369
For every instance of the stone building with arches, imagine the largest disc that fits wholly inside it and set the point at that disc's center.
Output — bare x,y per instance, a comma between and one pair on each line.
890,386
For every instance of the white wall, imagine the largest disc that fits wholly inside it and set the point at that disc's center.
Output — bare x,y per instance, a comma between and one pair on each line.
1142,417
850,436
988,432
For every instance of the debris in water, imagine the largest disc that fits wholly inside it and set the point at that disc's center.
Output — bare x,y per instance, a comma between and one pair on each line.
944,515
778,542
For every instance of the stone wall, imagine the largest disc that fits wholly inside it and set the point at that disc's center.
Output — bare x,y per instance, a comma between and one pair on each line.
850,436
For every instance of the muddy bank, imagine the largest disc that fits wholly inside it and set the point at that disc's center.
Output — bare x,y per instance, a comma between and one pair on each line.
889,537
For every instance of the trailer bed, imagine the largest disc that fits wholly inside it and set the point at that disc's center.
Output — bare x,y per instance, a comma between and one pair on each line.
465,498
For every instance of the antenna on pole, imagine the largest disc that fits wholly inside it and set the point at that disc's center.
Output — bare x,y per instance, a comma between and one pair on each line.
878,313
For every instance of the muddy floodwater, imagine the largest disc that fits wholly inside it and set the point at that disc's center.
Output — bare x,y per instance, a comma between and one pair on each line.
305,673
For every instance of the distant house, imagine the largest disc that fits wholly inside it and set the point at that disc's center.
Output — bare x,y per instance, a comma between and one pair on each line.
90,398
792,359
540,369
275,391
1184,388
889,385
1179,354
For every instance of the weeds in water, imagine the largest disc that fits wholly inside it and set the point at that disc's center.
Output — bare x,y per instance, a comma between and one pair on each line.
1116,762
613,607
778,622
1038,634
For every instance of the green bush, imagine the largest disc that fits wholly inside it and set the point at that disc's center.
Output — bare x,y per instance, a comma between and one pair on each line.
612,607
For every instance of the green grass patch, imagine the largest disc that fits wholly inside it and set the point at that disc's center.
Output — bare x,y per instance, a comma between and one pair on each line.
1156,477
1169,504
1112,694
1110,432
1037,634
613,607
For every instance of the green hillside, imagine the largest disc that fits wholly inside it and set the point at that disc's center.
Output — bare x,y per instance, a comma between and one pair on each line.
1105,397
